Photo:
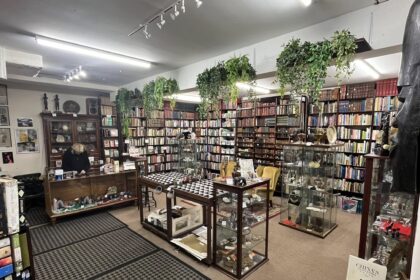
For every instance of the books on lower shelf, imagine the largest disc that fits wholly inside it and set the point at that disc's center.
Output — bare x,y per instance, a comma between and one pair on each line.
355,187
109,121
351,173
326,108
287,121
351,160
108,110
354,119
347,106
324,121
110,143
386,104
248,122
179,123
113,153
156,141
110,132
357,91
155,132
354,134
353,147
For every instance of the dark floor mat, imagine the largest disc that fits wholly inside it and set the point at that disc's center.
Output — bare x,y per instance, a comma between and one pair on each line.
158,265
91,257
37,216
67,232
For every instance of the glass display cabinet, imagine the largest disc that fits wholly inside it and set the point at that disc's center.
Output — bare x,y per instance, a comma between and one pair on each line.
241,227
309,181
388,220
188,157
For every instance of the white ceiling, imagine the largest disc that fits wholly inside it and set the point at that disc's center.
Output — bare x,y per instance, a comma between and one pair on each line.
219,26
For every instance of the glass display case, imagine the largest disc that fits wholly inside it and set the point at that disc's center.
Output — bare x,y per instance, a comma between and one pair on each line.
388,220
188,157
61,137
86,134
241,227
309,181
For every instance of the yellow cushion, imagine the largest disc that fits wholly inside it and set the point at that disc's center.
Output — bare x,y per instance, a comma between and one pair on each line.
230,167
260,170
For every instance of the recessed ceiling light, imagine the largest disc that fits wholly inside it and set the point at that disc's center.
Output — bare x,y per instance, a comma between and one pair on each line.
306,3
83,50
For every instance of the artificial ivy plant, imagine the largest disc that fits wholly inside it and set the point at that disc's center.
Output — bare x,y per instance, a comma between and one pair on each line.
151,98
219,82
303,66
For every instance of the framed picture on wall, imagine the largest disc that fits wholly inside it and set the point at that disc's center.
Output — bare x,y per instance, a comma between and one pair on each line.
3,95
27,141
7,157
4,116
5,138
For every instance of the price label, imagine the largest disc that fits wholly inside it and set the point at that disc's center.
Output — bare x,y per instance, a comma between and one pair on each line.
224,223
127,141
74,115
54,115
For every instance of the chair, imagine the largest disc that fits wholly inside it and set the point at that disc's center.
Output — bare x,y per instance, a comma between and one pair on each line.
272,173
227,168
33,190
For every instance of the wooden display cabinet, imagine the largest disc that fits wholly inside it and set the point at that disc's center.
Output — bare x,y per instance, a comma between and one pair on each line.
61,131
93,185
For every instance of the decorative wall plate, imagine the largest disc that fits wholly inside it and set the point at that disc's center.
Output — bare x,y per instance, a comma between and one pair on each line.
71,106
332,134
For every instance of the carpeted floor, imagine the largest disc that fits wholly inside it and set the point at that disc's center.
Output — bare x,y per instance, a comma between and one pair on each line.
100,246
37,216
293,255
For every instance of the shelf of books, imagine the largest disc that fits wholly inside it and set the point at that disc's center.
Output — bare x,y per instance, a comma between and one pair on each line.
228,131
110,131
156,148
137,133
356,112
265,131
245,132
213,148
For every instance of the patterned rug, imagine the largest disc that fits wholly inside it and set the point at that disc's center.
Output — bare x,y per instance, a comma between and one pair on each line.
37,216
50,237
101,247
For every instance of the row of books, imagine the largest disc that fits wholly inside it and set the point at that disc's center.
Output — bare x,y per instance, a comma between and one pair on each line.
229,123
162,150
347,106
387,87
246,122
137,112
324,121
137,132
109,121
171,157
245,130
343,185
351,160
354,119
265,111
137,122
268,152
110,143
347,172
246,113
137,142
386,104
172,141
113,153
227,151
211,165
325,108
344,133
213,141
329,94
155,132
211,149
229,115
152,159
247,104
157,115
156,141
110,132
180,115
227,132
155,122
229,105
210,132
352,205
358,91
179,123
266,122
171,132
215,123
227,142
355,147
161,167
289,108
108,110
287,121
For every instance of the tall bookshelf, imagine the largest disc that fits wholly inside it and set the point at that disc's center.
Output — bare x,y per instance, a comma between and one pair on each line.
356,112
137,133
155,142
228,131
110,131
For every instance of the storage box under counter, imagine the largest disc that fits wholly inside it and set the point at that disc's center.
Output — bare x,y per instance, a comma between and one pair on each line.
81,194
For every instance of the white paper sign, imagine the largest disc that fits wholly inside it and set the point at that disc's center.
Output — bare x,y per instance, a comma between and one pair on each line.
360,269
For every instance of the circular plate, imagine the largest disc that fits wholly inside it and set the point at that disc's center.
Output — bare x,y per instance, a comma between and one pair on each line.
332,134
71,106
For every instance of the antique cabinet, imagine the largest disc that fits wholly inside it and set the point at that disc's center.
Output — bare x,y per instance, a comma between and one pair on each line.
388,219
309,171
240,227
61,131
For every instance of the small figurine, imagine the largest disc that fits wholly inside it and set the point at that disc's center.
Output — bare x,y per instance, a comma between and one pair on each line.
45,100
57,103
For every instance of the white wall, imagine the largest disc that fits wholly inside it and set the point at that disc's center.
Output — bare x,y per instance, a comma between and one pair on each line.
382,25
28,104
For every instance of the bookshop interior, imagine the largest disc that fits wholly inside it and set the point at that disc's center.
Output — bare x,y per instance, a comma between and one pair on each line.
210,139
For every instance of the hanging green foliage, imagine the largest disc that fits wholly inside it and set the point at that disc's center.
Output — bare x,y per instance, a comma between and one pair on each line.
219,82
303,66
126,100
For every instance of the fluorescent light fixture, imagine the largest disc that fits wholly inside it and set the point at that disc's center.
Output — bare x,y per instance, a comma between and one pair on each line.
78,49
199,3
187,98
306,3
367,68
248,87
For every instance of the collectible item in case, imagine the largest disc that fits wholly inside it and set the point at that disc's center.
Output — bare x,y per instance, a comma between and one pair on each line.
309,182
241,227
388,220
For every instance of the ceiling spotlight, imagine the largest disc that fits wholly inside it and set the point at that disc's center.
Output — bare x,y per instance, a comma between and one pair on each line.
146,34
175,13
183,6
161,23
83,74
199,3
306,3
